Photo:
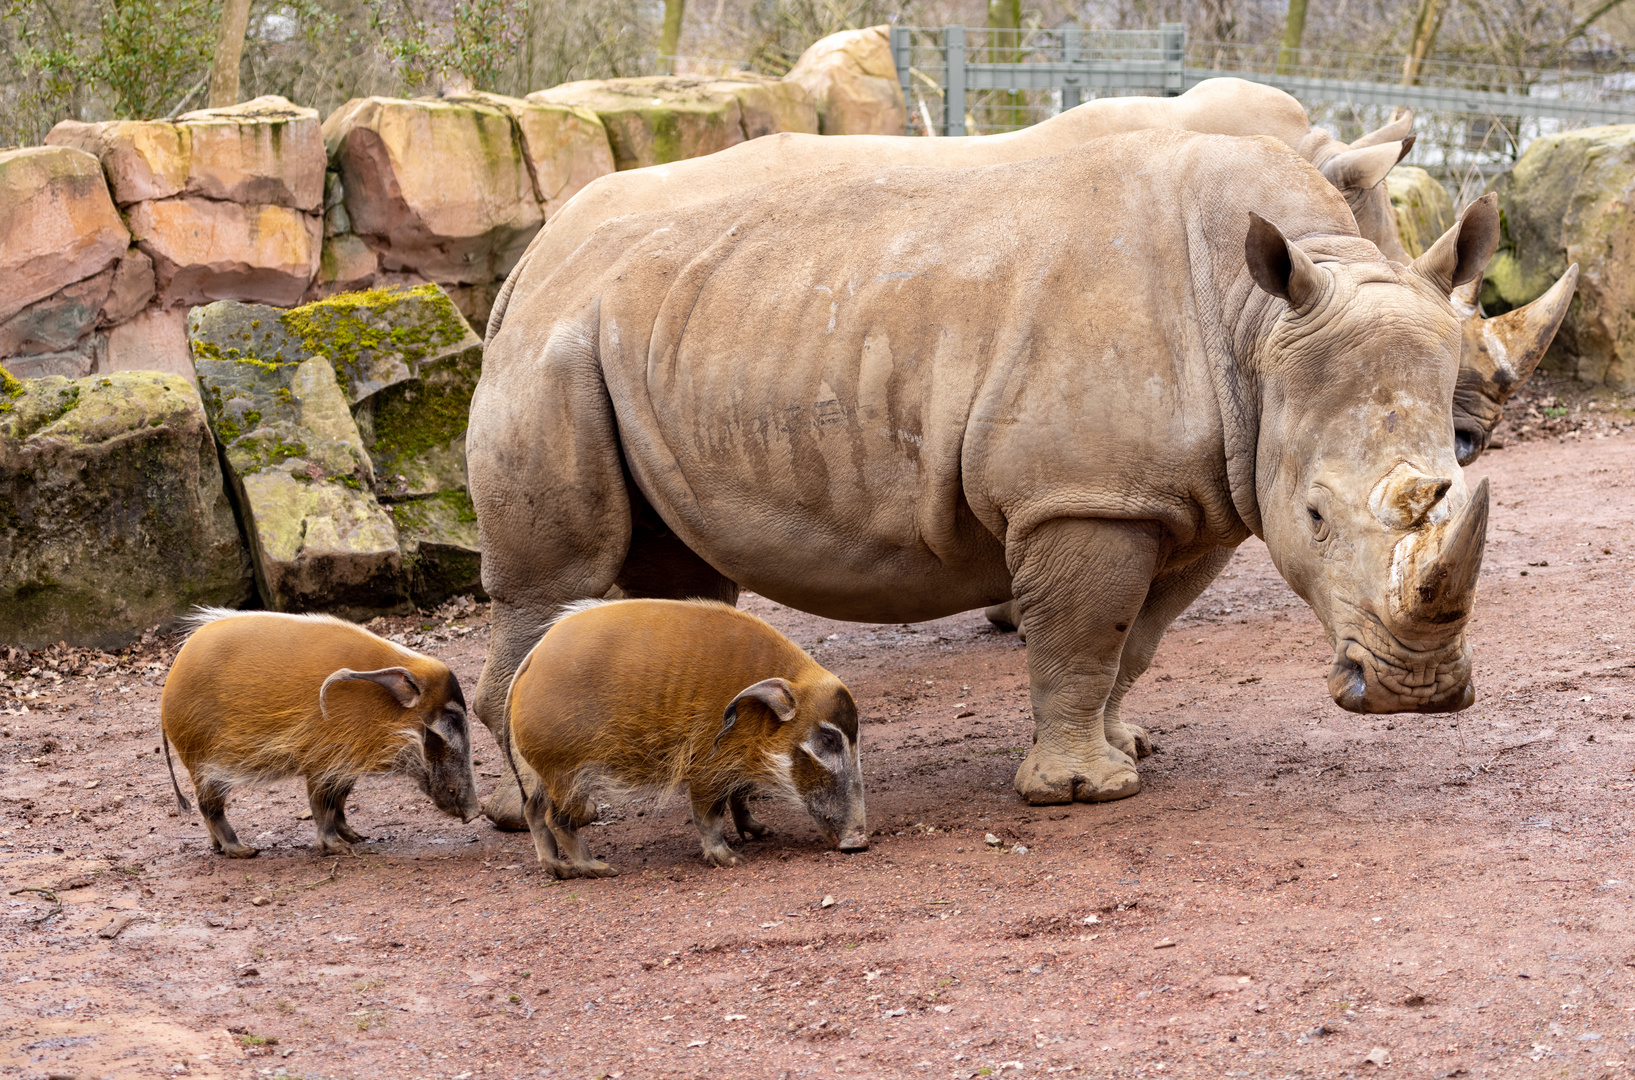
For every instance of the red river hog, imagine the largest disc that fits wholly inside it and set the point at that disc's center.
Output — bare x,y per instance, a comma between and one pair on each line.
257,697
644,696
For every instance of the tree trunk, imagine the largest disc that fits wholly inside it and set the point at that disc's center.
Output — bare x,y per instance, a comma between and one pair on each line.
670,38
1293,31
1005,16
235,18
1426,24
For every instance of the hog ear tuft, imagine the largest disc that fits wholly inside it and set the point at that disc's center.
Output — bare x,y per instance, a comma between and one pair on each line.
776,694
1461,253
1279,267
399,682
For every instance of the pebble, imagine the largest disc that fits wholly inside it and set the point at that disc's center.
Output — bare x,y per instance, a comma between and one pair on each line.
991,840
1166,943
259,901
1379,1055
828,901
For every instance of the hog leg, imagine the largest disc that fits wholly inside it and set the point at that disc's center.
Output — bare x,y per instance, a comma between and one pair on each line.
566,823
1171,594
748,827
213,805
538,809
547,481
1080,585
328,800
710,816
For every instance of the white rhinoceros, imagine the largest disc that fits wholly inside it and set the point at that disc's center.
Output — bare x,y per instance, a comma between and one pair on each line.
1079,381
1223,106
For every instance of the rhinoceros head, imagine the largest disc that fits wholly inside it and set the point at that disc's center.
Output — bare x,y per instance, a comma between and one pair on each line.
1499,354
1362,502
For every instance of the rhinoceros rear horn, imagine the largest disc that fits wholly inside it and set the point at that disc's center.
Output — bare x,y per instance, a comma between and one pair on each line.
1278,266
1463,251
1525,333
1440,589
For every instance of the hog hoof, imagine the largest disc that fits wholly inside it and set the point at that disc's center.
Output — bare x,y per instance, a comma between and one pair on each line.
596,868
1047,779
504,807
1132,739
240,851
334,847
349,834
755,830
723,857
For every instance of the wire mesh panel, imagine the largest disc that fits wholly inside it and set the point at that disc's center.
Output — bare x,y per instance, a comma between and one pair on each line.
972,81
1472,119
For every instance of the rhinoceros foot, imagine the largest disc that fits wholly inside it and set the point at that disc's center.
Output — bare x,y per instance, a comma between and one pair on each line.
1130,738
1050,777
504,806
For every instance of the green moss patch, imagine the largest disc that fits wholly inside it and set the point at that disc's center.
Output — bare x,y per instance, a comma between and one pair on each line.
362,332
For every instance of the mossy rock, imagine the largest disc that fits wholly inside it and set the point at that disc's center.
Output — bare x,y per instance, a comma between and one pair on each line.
1423,207
438,537
1567,200
379,338
113,516
296,461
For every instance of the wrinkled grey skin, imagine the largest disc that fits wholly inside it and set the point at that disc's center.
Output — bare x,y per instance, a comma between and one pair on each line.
896,399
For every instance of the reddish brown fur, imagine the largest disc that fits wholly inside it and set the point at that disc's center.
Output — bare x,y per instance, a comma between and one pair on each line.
241,704
631,695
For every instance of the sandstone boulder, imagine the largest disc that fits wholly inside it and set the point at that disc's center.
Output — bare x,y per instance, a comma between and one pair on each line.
439,188
205,249
1568,200
58,223
319,538
662,118
153,340
1424,209
59,321
265,151
564,146
852,79
438,536
115,518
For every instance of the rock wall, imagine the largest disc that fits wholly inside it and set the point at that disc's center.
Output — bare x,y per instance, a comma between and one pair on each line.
1424,209
1567,200
301,297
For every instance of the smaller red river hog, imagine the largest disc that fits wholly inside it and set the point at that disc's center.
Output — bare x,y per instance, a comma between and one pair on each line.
643,696
257,697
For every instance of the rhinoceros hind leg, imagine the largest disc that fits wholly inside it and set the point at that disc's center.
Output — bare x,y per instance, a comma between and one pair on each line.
1080,585
1003,615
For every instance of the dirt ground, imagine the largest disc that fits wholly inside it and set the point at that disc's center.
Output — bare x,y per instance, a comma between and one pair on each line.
1297,891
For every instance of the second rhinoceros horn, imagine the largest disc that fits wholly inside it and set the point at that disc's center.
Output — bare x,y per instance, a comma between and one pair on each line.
1435,570
1517,339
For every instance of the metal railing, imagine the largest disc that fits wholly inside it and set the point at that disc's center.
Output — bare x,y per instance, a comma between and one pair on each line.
960,80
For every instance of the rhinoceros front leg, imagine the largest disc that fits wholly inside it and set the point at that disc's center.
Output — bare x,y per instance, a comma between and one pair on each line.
1080,585
1171,594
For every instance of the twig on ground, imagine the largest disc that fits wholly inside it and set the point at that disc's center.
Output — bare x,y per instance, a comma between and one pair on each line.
334,868
49,895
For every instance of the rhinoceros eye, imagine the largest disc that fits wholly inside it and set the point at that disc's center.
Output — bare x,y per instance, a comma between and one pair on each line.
1319,525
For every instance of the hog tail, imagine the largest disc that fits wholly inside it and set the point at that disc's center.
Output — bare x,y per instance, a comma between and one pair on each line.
181,800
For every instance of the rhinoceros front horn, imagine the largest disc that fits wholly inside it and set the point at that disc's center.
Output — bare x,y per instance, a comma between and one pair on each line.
1439,588
1524,334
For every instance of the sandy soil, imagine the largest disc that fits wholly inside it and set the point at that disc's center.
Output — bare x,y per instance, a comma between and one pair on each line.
1296,892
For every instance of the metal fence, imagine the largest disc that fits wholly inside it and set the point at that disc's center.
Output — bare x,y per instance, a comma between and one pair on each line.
1473,119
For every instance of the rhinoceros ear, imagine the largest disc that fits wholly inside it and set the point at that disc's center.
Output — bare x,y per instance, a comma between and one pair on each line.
1278,266
1461,254
1366,167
